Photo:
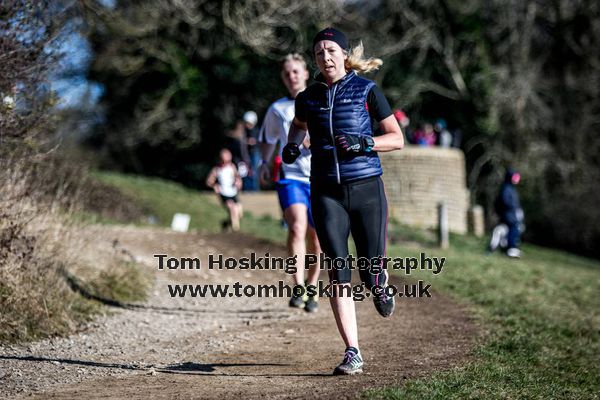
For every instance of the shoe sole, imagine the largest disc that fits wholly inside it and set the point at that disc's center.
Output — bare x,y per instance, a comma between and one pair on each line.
354,372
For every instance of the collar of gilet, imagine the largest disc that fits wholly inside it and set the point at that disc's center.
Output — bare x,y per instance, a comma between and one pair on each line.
342,81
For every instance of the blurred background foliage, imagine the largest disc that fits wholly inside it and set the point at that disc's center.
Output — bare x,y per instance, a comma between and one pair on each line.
521,79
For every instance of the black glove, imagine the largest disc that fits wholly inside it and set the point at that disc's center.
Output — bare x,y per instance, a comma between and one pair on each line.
354,143
290,153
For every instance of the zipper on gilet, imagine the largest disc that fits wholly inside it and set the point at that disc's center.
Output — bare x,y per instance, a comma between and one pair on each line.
331,99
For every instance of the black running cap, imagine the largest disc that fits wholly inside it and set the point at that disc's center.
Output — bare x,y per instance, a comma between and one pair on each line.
331,34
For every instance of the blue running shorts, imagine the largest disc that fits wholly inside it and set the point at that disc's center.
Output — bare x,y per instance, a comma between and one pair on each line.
291,191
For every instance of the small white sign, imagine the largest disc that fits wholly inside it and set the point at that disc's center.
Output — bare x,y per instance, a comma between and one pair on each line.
181,222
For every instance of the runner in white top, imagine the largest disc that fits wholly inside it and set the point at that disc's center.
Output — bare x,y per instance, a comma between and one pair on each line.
226,182
275,128
294,187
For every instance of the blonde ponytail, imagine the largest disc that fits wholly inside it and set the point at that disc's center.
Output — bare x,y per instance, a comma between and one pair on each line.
357,63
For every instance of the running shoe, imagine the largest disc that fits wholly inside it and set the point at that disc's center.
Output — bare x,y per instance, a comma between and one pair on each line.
513,252
352,363
384,305
225,224
311,304
296,301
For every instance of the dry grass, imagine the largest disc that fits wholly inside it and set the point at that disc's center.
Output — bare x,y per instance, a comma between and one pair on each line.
38,244
34,298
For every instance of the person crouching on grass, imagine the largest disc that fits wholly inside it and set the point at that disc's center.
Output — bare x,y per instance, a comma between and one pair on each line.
226,182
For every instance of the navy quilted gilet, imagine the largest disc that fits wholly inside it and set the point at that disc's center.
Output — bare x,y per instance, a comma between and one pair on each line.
340,109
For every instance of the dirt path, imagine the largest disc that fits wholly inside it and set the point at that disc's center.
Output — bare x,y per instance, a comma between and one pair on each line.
173,348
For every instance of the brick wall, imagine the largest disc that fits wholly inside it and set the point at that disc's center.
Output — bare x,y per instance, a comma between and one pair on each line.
417,178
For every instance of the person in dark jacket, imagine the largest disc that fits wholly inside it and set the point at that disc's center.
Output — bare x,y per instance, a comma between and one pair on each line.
347,196
508,208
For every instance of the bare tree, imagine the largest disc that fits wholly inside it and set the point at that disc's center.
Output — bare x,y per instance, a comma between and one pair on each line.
274,27
30,31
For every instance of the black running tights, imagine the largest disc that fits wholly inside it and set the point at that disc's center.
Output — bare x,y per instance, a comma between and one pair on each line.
359,208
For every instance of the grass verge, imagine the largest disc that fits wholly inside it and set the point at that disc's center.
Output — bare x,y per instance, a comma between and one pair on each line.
162,199
540,320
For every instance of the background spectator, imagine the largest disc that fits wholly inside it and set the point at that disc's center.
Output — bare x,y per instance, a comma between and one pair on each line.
444,136
235,142
251,181
508,208
424,136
